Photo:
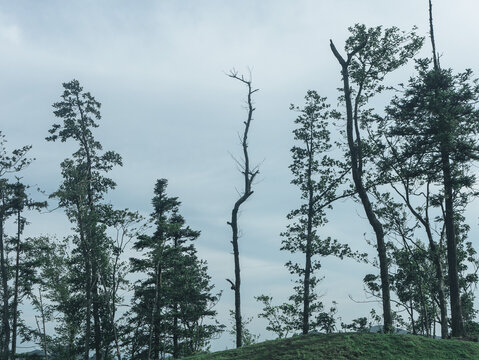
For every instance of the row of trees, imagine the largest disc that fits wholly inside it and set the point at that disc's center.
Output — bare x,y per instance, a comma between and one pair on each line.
411,170
78,284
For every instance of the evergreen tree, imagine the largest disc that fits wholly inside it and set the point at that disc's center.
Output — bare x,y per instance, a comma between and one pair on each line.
436,121
24,265
171,303
9,163
81,192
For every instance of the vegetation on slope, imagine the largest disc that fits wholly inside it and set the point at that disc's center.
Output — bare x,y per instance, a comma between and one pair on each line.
365,346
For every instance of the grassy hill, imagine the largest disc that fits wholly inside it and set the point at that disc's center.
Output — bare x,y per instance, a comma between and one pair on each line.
351,346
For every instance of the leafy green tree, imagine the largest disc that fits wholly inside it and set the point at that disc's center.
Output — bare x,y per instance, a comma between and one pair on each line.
9,163
81,192
371,54
436,122
319,177
282,319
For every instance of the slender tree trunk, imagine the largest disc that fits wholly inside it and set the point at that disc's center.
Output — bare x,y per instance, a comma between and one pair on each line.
309,236
3,268
86,251
176,350
44,331
435,257
153,343
457,323
354,147
15,294
237,283
248,177
96,313
440,287
86,355
92,238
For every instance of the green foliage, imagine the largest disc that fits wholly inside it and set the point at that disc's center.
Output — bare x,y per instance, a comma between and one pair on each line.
318,176
360,325
281,319
173,298
351,347
247,337
381,51
437,111
80,194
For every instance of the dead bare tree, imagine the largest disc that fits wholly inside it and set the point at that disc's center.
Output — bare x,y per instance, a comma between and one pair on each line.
248,174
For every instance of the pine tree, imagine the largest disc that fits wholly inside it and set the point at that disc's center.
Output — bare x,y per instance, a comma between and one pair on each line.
171,302
9,163
318,177
81,192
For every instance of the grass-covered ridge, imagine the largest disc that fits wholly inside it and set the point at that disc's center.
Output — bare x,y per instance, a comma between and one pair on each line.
351,346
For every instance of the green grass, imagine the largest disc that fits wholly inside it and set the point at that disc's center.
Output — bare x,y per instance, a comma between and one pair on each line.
351,346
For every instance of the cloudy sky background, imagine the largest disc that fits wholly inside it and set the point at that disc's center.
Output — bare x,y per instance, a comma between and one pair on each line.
158,68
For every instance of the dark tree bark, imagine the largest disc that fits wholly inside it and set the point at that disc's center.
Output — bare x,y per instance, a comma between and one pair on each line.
356,169
307,269
3,269
435,252
248,175
88,285
15,291
457,322
153,346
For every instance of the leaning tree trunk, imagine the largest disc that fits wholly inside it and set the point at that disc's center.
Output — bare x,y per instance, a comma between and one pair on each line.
355,150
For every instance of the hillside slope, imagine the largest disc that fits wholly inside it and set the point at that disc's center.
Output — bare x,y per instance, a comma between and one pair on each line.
351,346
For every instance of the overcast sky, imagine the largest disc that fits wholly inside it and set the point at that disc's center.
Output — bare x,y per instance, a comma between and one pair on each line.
158,68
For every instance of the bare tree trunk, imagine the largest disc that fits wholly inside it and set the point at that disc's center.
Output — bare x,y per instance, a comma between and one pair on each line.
3,269
176,350
44,332
88,285
435,255
249,175
457,322
96,313
86,355
153,326
309,235
356,161
237,283
15,291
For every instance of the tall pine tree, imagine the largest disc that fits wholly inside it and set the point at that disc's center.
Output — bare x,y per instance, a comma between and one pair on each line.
174,298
